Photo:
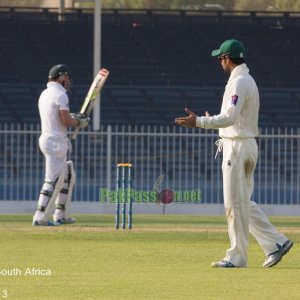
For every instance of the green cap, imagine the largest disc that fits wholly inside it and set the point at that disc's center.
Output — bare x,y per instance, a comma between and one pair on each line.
58,70
233,48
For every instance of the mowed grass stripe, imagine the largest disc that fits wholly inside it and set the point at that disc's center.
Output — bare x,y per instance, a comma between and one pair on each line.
170,261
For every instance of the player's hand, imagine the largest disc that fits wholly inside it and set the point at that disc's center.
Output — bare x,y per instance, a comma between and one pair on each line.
83,121
189,121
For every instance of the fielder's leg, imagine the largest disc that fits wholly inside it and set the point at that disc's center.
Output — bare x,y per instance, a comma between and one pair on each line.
239,160
264,232
274,243
63,200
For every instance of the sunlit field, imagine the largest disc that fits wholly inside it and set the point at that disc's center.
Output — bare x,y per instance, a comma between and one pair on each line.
163,257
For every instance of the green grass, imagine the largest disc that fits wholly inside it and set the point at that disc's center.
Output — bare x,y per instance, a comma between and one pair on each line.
163,257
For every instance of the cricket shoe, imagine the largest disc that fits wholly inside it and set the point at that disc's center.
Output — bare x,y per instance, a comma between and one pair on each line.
223,264
65,221
275,257
43,223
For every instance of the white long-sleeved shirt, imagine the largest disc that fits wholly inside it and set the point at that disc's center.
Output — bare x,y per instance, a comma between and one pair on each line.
240,107
53,99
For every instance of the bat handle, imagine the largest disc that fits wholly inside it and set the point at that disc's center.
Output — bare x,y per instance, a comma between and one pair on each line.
74,135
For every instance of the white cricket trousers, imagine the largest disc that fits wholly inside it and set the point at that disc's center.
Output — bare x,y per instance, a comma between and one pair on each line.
55,152
242,214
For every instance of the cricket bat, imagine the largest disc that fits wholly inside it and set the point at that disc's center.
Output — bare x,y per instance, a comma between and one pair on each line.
89,101
157,185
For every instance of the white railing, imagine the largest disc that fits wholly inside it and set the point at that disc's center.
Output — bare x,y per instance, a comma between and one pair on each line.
186,157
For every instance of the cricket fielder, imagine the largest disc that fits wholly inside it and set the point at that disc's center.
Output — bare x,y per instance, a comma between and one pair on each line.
59,173
238,128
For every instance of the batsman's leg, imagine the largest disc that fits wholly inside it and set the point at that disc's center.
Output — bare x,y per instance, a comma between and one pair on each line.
63,200
55,152
48,194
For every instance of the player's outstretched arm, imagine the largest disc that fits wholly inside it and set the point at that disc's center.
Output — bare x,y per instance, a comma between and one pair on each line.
189,121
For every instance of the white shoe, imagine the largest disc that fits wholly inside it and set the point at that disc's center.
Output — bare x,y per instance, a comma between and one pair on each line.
65,221
223,264
43,223
275,257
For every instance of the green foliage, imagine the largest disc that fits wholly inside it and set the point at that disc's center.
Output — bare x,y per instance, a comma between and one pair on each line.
267,5
262,5
256,5
285,5
162,4
20,3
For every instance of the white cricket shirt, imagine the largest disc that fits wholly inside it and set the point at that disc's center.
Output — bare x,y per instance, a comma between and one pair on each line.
51,101
240,107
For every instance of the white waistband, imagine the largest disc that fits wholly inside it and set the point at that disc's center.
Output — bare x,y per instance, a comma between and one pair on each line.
220,142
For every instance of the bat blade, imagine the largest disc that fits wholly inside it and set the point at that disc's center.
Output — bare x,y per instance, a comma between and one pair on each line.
156,187
93,92
90,99
158,182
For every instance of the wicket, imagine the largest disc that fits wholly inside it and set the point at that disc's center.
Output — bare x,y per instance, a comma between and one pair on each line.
123,189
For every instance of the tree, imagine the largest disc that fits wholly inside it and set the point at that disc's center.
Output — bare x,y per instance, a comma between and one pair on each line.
258,5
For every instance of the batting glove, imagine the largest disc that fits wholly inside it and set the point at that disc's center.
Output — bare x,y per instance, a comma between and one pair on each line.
83,121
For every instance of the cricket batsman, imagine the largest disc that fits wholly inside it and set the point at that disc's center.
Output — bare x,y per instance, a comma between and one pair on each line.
59,178
238,128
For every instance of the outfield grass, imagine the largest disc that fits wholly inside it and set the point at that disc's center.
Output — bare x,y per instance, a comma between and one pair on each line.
163,257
